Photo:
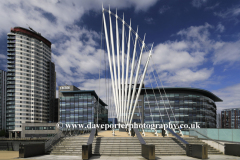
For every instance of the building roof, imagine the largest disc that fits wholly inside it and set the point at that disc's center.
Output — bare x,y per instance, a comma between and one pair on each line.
201,91
31,34
87,91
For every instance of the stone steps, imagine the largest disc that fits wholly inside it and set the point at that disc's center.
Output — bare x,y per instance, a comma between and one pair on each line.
125,146
193,140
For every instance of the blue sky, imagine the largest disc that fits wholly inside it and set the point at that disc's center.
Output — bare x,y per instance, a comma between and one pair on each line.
196,42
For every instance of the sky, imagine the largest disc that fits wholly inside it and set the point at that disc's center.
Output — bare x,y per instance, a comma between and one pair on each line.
196,42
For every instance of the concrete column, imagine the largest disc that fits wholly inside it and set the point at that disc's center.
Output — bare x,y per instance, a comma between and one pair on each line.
15,134
10,134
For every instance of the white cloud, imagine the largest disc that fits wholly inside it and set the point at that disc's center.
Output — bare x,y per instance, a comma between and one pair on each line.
231,13
198,3
163,9
74,50
212,7
198,38
2,56
172,56
199,33
181,62
227,52
149,20
220,27
187,75
230,96
22,12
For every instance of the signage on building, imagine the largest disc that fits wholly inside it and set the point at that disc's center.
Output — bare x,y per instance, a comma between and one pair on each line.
65,87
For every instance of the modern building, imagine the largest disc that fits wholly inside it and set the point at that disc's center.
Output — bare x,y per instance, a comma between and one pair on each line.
179,105
230,118
3,81
39,130
31,79
81,106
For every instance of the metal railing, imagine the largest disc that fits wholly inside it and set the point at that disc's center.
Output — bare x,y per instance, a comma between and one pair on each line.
25,138
140,138
177,136
49,143
91,137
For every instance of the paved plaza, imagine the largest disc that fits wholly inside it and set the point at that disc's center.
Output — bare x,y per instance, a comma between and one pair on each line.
14,155
108,133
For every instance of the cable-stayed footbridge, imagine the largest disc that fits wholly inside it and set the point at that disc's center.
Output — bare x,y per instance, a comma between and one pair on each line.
129,62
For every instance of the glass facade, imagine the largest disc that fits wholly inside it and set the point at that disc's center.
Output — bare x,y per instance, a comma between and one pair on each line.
230,135
81,108
187,107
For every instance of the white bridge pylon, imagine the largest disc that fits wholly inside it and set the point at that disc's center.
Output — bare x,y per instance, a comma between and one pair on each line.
124,81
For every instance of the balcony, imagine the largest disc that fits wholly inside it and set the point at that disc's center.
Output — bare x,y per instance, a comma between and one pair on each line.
11,54
10,94
10,37
11,70
11,90
10,86
11,45
10,111
10,62
11,41
11,123
10,82
10,57
10,115
10,66
11,78
10,74
11,49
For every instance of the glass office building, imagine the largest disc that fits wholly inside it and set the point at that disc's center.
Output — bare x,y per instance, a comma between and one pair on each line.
81,107
188,106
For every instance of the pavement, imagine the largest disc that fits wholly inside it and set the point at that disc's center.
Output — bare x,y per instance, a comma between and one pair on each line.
212,157
108,133
6,155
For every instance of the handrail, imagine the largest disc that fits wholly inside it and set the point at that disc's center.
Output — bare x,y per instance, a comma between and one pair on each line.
140,138
91,137
177,136
53,139
207,137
